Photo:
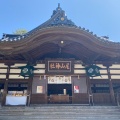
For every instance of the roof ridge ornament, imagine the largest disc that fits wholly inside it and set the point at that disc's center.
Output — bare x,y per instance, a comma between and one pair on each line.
59,8
59,18
58,5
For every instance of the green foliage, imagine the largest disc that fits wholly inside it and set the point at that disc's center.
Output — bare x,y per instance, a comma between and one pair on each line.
20,31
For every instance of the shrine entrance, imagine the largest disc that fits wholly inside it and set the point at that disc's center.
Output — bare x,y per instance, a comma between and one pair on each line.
60,93
59,90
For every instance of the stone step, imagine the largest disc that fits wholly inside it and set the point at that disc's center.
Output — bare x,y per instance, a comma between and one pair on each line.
61,108
59,118
60,112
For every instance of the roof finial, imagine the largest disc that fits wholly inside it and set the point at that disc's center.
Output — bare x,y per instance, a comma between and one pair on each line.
58,5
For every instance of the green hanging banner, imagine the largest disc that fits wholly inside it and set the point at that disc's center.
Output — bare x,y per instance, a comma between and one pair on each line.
27,71
93,71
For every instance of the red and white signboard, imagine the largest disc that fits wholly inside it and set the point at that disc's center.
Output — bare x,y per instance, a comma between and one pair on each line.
76,89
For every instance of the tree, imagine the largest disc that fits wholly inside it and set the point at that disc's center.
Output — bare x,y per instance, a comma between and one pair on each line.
20,31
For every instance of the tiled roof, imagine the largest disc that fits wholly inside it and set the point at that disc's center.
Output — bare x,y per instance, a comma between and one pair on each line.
58,19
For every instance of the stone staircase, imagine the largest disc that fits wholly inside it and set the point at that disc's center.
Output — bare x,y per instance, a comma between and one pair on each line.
60,112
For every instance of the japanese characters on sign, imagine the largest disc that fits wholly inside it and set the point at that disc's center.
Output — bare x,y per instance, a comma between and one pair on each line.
59,80
59,66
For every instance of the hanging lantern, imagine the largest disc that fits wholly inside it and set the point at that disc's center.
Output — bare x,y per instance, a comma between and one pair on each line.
93,70
27,71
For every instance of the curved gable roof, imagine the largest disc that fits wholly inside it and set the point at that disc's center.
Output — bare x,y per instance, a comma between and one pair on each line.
46,39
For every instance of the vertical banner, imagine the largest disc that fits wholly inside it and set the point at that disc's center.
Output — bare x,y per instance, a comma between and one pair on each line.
76,89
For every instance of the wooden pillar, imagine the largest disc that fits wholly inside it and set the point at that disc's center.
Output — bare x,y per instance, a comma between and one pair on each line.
90,95
5,86
89,85
111,87
29,90
46,91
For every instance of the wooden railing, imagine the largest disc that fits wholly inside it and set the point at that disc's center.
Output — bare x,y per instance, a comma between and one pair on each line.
101,98
80,98
38,99
77,98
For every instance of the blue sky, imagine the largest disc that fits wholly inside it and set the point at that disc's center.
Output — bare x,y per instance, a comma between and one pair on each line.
99,16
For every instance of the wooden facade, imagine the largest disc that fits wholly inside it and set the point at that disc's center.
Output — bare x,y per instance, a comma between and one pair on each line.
59,50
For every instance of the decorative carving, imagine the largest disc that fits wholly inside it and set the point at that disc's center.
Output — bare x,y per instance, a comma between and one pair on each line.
60,19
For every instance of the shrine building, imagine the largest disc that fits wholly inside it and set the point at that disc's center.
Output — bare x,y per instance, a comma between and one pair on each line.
59,62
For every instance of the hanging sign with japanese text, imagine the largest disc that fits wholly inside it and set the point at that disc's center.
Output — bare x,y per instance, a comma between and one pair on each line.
59,67
59,80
